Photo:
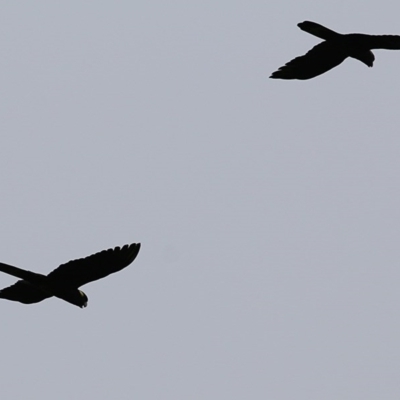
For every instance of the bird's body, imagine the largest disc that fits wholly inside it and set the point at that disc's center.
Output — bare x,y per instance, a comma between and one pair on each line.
334,50
65,280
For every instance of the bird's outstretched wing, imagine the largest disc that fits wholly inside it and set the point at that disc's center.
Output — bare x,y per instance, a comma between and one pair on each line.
321,58
24,292
79,272
388,42
318,30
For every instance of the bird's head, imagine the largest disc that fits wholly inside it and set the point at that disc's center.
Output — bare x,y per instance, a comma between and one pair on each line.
73,296
84,299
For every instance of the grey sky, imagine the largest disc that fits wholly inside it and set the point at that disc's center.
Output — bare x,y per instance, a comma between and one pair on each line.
268,211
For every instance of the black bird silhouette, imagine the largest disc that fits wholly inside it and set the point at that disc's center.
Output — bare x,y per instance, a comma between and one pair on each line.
334,50
65,280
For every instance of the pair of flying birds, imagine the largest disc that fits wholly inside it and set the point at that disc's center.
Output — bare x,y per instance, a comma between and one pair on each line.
334,50
64,281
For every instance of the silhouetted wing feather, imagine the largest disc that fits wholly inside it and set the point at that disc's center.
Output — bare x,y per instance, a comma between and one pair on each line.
389,42
79,272
321,58
23,292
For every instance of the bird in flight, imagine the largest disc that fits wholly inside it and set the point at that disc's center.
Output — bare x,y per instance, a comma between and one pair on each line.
335,48
65,280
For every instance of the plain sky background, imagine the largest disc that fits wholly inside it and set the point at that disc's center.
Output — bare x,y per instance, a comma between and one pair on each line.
268,210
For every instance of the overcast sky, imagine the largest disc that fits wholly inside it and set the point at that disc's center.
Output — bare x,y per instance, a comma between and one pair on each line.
268,210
